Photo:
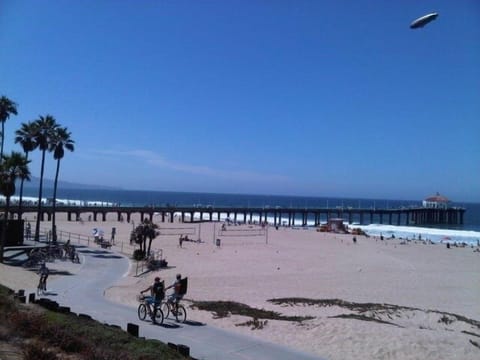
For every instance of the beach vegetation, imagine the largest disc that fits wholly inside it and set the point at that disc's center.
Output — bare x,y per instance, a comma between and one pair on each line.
138,254
44,129
7,108
221,309
12,167
38,333
146,231
254,324
376,311
44,134
24,137
61,141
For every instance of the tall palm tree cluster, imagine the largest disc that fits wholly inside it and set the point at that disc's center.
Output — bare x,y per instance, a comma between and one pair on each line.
147,230
43,134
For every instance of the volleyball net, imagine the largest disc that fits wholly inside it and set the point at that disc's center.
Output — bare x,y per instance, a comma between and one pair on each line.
179,230
240,234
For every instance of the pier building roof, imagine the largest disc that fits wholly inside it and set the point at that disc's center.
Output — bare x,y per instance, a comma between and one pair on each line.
436,201
437,198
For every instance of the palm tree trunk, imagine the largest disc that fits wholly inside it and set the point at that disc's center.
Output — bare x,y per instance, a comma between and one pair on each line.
4,228
40,190
3,137
20,201
54,228
150,239
145,246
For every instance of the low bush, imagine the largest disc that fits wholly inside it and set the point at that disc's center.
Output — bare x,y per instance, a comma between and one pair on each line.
138,254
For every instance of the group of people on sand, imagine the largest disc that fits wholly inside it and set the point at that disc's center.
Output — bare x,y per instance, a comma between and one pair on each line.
157,293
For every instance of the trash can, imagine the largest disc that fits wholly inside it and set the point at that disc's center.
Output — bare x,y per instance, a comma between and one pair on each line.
217,242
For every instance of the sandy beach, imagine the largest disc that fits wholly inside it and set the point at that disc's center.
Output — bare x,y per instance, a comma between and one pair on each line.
371,299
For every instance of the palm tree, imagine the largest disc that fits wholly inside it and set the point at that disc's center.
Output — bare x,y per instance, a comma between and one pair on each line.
7,108
25,136
12,167
151,232
61,140
147,230
44,129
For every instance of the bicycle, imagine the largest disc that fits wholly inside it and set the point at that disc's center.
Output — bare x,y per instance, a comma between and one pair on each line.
71,254
175,308
75,258
55,251
35,257
145,307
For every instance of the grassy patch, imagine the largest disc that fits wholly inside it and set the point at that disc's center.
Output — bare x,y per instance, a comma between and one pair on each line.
254,324
361,308
221,309
364,318
474,343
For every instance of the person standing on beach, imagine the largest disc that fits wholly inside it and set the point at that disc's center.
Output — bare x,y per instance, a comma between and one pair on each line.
28,230
180,240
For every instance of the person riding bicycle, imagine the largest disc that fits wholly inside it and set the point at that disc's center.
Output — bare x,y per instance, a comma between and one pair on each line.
43,272
157,293
177,294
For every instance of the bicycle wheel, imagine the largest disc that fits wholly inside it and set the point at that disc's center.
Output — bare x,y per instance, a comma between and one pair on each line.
159,316
181,314
142,311
165,309
40,288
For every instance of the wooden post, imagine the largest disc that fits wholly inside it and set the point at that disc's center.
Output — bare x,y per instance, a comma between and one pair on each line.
183,349
132,329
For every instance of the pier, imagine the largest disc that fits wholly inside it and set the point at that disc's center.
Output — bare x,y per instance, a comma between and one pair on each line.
281,215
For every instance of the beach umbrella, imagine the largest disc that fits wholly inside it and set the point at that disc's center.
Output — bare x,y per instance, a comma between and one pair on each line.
97,232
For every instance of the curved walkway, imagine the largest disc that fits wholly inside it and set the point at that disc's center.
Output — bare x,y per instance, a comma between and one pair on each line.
83,292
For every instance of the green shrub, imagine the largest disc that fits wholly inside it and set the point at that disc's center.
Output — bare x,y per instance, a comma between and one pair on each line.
138,254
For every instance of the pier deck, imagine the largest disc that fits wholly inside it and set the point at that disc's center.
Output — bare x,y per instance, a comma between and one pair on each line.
281,215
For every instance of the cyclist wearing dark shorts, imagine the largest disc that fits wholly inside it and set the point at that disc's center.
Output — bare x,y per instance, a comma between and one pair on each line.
157,293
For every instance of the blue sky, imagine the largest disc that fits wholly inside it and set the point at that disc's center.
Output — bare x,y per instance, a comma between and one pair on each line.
322,98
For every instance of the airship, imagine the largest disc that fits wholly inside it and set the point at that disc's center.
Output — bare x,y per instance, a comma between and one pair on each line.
423,20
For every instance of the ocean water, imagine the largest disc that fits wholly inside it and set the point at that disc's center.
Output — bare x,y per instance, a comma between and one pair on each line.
468,232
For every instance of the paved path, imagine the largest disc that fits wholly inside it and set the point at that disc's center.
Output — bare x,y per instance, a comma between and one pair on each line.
84,293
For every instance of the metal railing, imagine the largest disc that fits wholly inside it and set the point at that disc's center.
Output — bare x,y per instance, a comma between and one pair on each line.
75,238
